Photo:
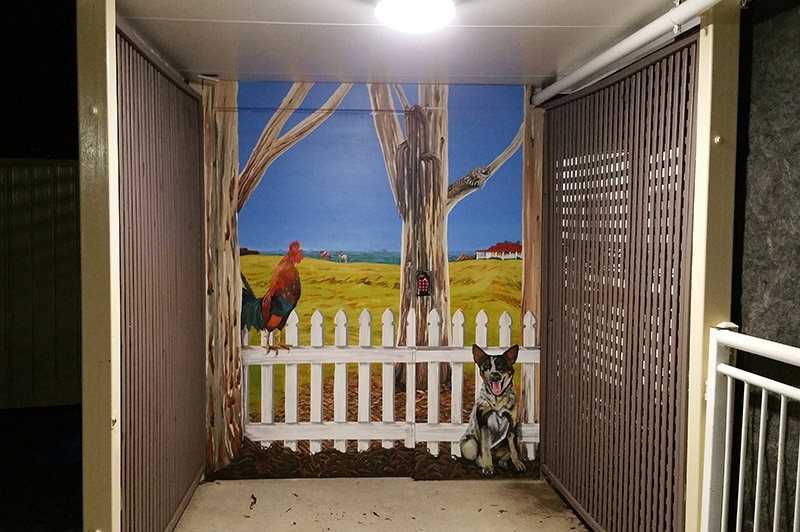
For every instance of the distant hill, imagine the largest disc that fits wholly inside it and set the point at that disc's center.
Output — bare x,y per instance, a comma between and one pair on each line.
372,257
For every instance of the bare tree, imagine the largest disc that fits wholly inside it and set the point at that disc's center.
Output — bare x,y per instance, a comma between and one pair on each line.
226,193
223,364
271,145
418,176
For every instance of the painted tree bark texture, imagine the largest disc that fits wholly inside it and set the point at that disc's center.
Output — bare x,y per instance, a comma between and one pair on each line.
223,287
478,176
417,168
270,145
532,172
422,191
226,193
532,168
417,171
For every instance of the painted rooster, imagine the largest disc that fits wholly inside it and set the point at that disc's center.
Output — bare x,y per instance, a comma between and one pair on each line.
271,311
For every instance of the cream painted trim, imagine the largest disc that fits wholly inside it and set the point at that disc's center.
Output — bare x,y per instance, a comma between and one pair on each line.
712,237
100,281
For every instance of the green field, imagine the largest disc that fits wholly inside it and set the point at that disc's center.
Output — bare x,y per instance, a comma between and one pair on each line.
492,285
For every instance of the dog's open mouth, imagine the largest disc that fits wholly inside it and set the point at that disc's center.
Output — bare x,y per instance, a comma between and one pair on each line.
497,387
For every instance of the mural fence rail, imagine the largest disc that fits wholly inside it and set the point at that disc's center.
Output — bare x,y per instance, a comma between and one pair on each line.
366,427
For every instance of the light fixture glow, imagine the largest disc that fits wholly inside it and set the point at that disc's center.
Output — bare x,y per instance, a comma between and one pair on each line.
415,15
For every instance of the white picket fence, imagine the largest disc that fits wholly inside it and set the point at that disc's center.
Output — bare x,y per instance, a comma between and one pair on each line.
364,354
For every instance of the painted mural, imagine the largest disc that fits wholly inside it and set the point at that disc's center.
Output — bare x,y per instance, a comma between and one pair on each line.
366,205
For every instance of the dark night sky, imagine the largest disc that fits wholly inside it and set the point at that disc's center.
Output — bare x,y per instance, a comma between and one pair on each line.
38,85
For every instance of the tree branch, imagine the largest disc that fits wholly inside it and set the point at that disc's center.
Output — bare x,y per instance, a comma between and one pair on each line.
477,177
260,158
401,95
387,126
269,146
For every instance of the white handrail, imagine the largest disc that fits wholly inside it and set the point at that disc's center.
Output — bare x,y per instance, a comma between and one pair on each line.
720,386
761,382
759,346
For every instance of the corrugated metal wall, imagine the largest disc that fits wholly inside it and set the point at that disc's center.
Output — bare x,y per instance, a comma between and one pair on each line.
163,296
617,203
40,330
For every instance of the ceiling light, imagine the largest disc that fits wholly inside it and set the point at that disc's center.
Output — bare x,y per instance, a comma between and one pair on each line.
415,15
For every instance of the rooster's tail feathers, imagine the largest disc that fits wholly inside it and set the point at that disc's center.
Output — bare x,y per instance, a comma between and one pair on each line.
251,308
247,292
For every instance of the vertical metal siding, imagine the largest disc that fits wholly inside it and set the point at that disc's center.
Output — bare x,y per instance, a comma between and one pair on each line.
618,188
163,304
40,355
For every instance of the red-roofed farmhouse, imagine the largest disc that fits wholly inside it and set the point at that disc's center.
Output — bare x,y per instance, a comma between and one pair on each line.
501,250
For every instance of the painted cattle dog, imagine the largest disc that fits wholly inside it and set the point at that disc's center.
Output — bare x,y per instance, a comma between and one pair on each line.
494,429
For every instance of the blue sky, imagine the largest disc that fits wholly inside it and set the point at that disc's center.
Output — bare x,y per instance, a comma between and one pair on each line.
330,190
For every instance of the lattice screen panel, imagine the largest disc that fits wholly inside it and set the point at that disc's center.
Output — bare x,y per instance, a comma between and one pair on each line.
617,205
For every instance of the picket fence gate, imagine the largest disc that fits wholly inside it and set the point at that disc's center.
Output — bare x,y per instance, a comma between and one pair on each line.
364,355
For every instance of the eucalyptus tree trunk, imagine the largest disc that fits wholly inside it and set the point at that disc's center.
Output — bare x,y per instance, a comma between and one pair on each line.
422,195
417,168
417,171
223,287
226,193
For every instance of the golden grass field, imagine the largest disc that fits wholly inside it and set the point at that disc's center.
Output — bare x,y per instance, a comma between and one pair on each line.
492,285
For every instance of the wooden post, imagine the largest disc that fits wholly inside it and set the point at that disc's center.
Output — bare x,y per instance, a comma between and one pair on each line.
223,284
100,266
712,233
533,169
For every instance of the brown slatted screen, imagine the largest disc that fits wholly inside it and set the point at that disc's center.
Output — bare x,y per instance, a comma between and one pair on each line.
163,312
617,200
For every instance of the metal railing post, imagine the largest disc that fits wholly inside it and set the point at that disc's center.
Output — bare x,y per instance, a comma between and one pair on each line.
717,436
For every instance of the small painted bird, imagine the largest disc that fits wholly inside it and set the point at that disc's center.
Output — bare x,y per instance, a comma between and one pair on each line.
271,311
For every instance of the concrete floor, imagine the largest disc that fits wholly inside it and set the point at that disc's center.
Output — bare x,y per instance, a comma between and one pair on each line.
386,504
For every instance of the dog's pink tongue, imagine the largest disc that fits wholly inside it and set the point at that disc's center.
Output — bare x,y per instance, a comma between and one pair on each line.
497,387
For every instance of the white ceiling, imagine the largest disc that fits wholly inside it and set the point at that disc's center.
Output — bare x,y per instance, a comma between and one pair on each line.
489,41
